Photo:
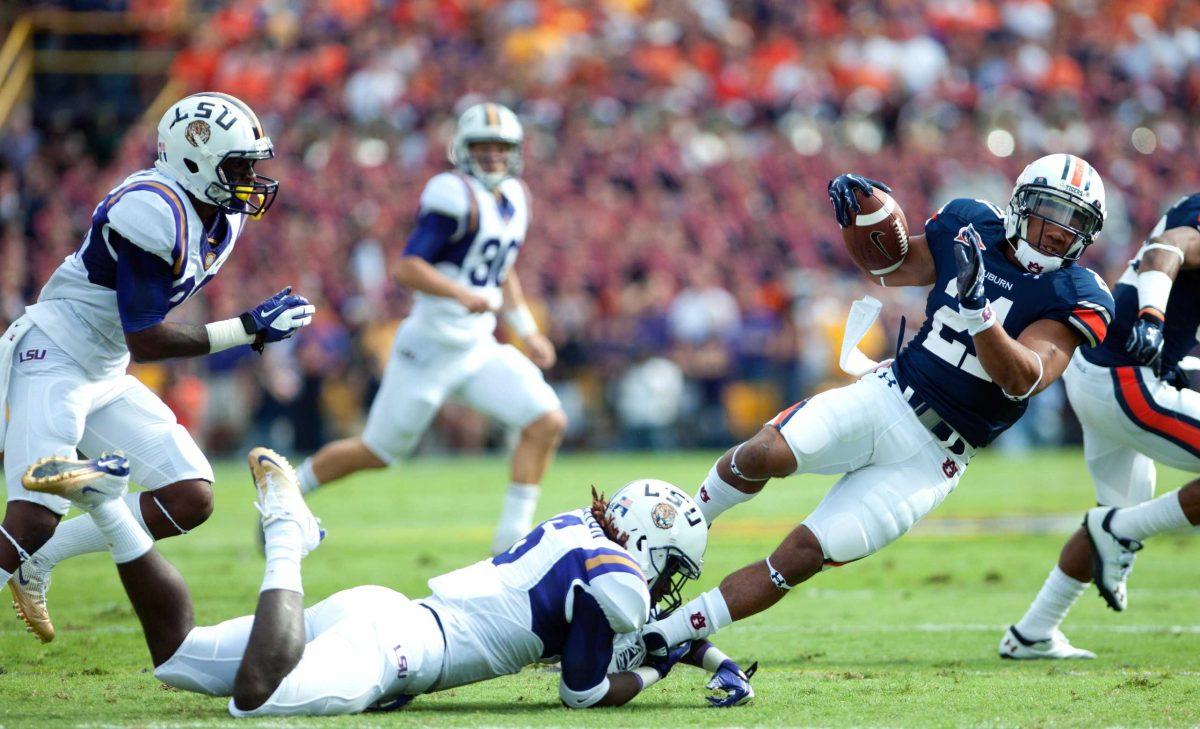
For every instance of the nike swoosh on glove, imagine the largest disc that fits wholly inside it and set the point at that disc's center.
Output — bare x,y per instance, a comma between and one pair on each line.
731,685
277,318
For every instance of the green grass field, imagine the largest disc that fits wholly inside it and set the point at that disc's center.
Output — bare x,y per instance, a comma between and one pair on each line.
905,638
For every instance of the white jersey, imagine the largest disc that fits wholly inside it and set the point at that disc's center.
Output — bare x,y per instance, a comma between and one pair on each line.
490,229
503,614
78,306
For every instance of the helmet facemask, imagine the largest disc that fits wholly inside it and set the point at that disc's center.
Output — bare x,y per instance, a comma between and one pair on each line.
1052,208
251,196
463,157
674,570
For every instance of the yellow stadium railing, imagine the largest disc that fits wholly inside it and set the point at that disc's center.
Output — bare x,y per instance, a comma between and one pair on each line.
16,66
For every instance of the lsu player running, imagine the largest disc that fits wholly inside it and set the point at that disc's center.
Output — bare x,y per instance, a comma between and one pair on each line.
577,587
155,240
1007,309
1135,408
458,261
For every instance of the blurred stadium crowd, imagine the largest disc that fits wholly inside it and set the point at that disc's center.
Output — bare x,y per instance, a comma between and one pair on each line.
682,249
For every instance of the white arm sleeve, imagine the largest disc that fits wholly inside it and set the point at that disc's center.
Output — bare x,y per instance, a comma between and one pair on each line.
582,699
624,599
145,219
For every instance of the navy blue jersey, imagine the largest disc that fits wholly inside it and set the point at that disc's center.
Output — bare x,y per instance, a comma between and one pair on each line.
940,365
1183,305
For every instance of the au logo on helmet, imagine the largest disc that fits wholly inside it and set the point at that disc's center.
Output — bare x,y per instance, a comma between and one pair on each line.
197,133
663,515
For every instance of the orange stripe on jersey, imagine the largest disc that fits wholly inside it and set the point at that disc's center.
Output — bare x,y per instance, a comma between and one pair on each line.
782,417
1077,166
1150,415
1093,321
472,226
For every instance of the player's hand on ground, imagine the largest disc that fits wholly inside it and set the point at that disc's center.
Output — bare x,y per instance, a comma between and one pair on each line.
473,302
541,350
731,685
1145,341
278,318
841,194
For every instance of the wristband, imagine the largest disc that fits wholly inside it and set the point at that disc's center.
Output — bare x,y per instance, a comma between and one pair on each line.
712,658
977,320
1038,381
227,333
1154,288
647,676
521,320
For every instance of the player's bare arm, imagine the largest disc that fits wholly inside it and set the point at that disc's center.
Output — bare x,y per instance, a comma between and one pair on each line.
520,319
1162,258
418,274
917,269
1025,366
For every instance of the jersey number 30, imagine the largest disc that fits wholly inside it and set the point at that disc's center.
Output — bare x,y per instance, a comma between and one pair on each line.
493,262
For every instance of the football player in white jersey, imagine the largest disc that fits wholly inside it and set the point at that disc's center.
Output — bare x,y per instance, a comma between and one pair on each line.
154,240
578,588
458,261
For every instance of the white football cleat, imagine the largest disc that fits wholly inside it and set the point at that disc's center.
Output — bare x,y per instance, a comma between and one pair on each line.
29,586
86,484
1017,647
1112,557
279,497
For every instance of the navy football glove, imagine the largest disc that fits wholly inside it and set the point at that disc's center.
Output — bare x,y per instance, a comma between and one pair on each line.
731,685
277,318
664,664
841,194
972,298
1145,341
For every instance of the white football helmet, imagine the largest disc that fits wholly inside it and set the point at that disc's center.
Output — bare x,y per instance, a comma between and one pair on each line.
1061,189
195,138
487,122
667,535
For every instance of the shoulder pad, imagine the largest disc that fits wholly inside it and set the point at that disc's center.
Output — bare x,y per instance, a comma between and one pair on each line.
1087,307
960,213
449,194
153,217
624,599
1185,213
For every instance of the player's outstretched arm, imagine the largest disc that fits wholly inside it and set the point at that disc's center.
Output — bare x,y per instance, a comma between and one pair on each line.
1163,256
917,268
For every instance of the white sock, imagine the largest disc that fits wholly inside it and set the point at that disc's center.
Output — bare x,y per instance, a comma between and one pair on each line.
1151,517
306,477
126,539
516,515
699,618
284,541
1050,607
715,496
80,535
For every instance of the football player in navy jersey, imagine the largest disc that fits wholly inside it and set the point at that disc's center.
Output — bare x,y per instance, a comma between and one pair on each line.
1135,409
1008,307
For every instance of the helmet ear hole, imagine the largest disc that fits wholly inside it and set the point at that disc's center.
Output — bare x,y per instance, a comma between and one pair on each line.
192,166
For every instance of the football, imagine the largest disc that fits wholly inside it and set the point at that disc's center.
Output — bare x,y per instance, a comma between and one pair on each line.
877,237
